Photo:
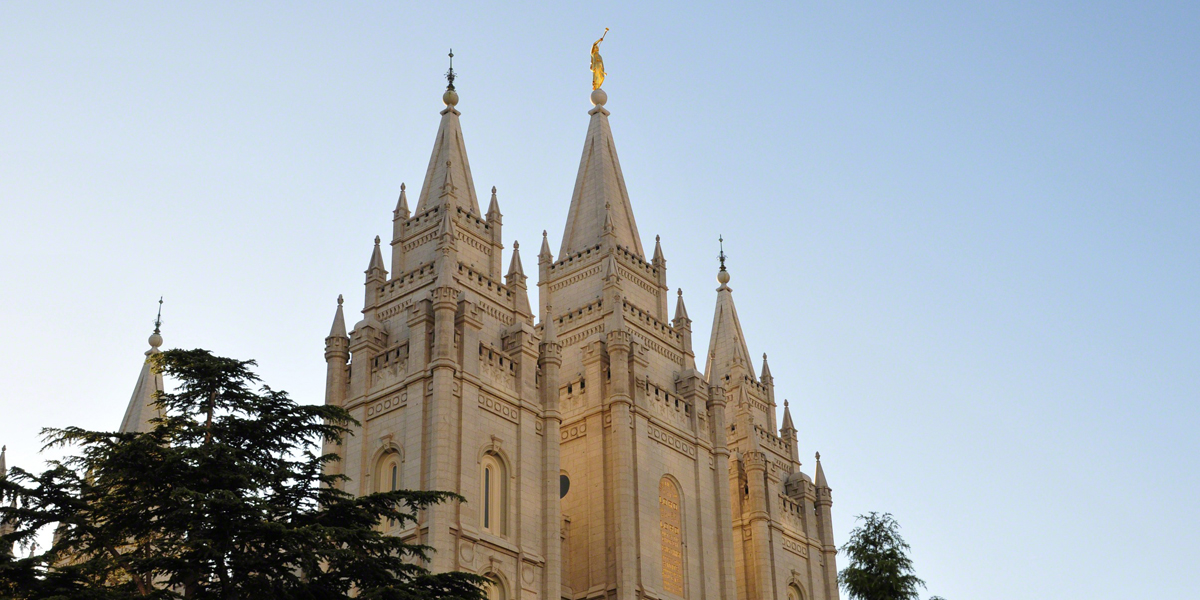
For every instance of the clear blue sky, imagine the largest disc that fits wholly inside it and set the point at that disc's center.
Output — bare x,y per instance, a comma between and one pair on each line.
966,234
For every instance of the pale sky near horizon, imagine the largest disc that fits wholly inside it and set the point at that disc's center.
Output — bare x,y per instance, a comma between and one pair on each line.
966,234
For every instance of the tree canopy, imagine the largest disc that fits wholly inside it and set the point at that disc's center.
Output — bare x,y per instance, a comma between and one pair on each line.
879,566
225,498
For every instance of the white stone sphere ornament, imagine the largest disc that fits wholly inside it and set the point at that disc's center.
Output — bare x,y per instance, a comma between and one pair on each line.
599,97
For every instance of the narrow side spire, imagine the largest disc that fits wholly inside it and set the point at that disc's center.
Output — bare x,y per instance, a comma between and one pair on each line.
765,377
658,253
787,419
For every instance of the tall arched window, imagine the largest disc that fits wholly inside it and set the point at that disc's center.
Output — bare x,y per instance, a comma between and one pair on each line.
495,588
493,495
387,476
671,525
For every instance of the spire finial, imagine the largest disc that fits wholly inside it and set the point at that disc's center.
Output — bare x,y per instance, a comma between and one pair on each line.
721,256
156,337
340,300
818,457
722,275
450,75
158,318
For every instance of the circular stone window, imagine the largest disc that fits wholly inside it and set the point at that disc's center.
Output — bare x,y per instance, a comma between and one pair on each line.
564,485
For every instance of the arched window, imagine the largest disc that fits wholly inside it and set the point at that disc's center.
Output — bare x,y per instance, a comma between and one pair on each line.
794,593
671,526
493,495
387,476
495,588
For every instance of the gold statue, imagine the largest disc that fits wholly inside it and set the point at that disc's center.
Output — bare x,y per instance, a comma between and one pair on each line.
598,63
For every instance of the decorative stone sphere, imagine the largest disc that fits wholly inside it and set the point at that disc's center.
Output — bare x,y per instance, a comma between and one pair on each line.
450,98
723,277
155,340
599,97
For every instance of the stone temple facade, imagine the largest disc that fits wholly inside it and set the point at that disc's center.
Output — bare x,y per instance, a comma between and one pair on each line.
596,459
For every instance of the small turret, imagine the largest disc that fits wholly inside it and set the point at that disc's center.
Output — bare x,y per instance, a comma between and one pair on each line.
545,259
495,222
544,256
683,325
339,321
493,213
820,479
766,378
515,280
401,213
658,253
399,219
376,275
337,354
788,433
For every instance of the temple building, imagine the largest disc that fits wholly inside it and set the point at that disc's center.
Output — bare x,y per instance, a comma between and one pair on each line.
596,459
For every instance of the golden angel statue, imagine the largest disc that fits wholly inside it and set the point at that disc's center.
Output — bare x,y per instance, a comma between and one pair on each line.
598,63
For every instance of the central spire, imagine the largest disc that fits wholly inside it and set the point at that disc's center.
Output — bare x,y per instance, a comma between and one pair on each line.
449,159
600,198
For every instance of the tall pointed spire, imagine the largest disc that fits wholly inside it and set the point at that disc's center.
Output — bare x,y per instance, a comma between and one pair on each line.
339,322
600,194
142,407
448,163
727,345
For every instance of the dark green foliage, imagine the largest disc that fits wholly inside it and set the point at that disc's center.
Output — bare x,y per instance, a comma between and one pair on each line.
879,566
226,498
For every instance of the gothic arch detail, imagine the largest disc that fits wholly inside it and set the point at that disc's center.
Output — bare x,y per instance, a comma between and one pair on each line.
670,512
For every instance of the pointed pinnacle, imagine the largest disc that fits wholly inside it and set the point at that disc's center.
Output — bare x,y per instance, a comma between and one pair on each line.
514,267
401,204
545,252
339,321
376,258
680,309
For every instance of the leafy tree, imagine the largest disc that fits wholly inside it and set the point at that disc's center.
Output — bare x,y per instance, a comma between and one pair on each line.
226,498
879,566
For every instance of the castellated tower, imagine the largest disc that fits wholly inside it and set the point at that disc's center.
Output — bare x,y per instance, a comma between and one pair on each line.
597,461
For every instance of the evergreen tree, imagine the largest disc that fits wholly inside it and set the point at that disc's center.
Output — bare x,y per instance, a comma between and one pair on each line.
879,566
225,498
